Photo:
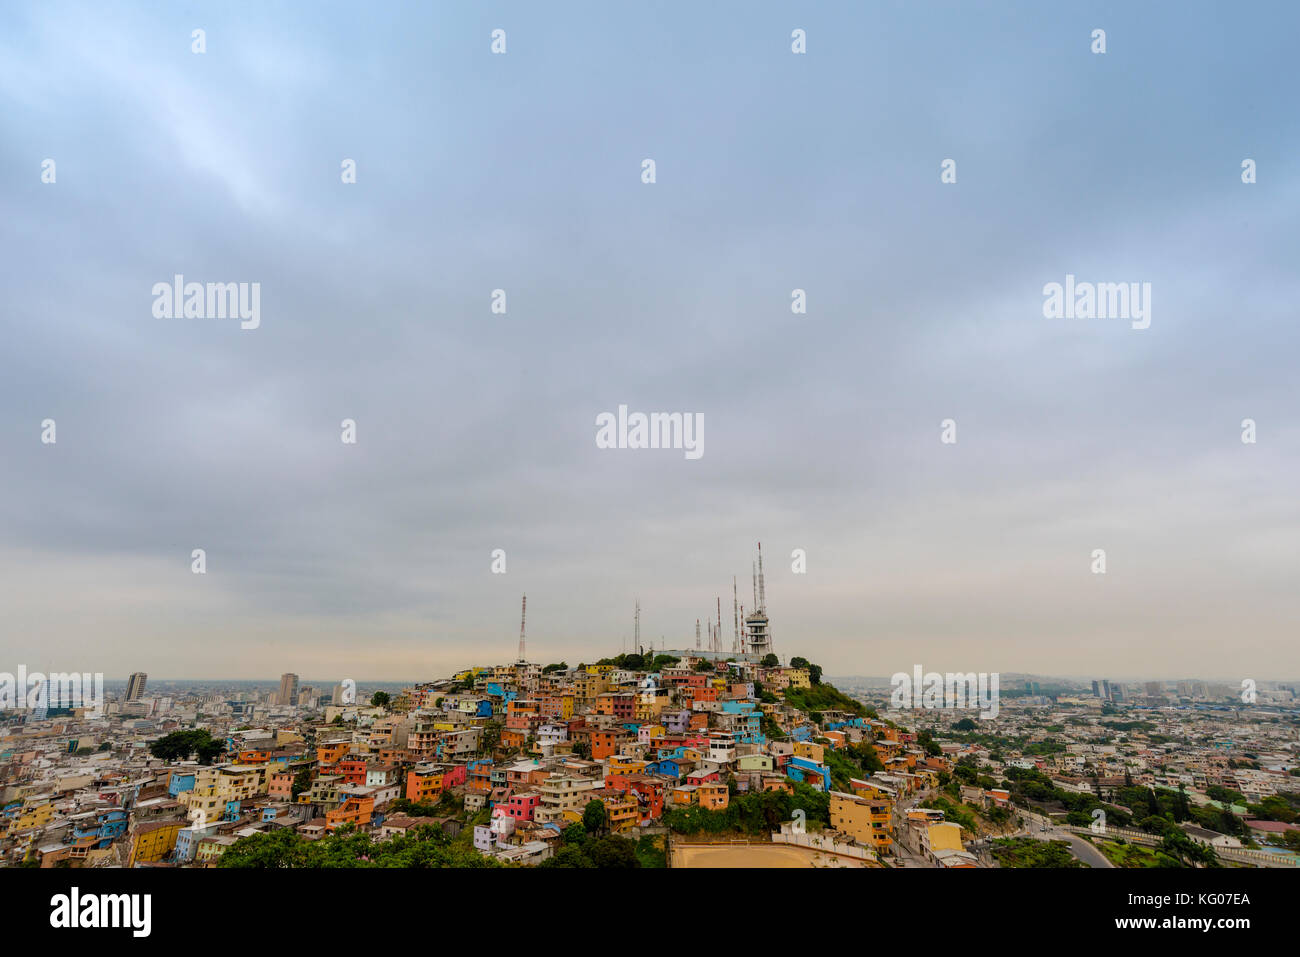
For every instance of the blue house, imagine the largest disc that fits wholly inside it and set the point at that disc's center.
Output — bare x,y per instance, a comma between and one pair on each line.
667,767
801,769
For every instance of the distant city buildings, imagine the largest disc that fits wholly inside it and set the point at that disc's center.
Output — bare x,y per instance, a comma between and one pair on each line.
135,685
515,754
288,693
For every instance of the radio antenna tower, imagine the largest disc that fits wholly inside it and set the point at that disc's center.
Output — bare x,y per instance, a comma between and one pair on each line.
637,628
718,631
735,619
697,634
523,614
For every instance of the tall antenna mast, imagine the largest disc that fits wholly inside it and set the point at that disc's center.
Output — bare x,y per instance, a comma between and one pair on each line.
523,614
735,618
637,628
718,631
697,634
762,591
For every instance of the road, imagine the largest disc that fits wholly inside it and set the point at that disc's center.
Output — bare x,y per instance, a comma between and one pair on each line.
1081,849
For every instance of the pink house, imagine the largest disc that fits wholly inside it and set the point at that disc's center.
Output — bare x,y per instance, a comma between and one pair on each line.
703,777
519,806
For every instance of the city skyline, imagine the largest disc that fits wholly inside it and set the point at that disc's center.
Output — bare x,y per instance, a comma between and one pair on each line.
477,431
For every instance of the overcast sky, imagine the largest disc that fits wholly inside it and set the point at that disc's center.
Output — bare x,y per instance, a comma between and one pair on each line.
476,431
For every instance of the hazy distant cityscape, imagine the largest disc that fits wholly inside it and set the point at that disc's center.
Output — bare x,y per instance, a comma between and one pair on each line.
646,758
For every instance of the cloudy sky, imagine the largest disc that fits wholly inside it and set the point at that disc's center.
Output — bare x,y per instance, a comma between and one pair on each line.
475,431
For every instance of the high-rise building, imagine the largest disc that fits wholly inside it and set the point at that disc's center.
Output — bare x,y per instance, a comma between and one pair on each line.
288,693
1096,689
135,685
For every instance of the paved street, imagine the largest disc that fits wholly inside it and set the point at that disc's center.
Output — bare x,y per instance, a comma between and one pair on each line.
1081,849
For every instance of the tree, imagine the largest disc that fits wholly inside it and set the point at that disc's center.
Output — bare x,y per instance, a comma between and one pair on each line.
419,848
593,817
301,782
1177,844
181,744
570,855
703,665
550,669
612,851
770,660
582,748
380,699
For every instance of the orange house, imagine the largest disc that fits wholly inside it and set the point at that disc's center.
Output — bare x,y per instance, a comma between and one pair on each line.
355,810
713,797
700,694
514,738
328,754
424,785
605,743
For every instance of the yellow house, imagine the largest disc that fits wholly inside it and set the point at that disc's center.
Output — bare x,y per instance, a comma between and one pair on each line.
587,685
34,815
810,750
944,837
799,678
930,775
626,764
154,841
623,813
211,848
866,820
